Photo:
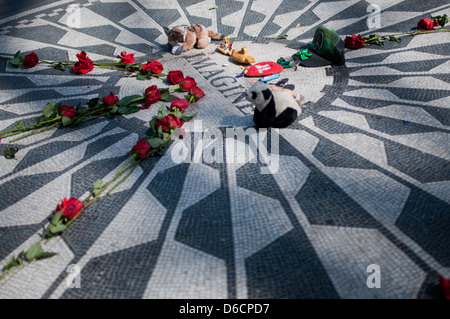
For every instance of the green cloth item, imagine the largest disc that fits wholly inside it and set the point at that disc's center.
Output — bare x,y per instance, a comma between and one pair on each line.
285,63
304,54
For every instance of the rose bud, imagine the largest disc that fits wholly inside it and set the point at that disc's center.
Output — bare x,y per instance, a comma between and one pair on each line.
82,57
175,77
187,84
67,111
155,66
141,149
84,64
30,60
71,207
153,95
425,24
169,122
355,42
180,104
110,99
127,58
196,93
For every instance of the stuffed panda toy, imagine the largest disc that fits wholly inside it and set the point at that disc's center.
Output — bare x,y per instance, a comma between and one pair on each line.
276,109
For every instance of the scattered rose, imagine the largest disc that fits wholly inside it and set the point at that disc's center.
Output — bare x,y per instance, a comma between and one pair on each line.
30,60
82,57
169,122
175,77
67,111
196,94
153,95
427,24
187,84
153,66
111,99
150,89
127,58
141,148
180,104
84,64
71,207
354,42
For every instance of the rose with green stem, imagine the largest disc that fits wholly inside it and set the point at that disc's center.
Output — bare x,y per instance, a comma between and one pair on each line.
32,60
60,223
161,131
51,119
380,39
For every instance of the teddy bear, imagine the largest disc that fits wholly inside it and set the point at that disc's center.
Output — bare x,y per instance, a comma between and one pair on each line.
182,38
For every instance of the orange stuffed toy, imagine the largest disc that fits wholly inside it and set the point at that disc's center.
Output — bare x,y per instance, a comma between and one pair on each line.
182,38
242,56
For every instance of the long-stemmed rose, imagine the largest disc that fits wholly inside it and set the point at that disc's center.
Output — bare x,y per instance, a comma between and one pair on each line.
108,106
158,136
67,115
85,65
425,26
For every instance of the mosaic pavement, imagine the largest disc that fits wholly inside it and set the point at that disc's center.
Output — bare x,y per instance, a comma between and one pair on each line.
363,175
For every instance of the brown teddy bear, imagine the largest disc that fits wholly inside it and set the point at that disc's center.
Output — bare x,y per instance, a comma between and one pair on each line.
182,38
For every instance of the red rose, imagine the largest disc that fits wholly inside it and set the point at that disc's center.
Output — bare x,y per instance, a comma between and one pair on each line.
196,94
180,104
445,284
355,41
175,77
141,148
82,57
155,67
153,95
427,24
144,68
111,99
127,58
83,68
187,84
151,88
84,64
71,207
67,111
30,60
169,122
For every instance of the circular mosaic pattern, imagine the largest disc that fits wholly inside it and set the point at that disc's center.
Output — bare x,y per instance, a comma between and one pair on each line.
362,176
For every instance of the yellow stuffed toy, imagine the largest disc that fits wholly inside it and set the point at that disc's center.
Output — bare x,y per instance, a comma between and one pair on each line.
242,56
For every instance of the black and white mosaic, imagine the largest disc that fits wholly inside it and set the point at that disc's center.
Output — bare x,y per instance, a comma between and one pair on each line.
362,177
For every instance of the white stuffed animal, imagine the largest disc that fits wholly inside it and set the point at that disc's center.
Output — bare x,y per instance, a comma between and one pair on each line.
276,109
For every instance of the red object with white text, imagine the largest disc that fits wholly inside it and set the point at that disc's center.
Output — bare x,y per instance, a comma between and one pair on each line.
262,69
